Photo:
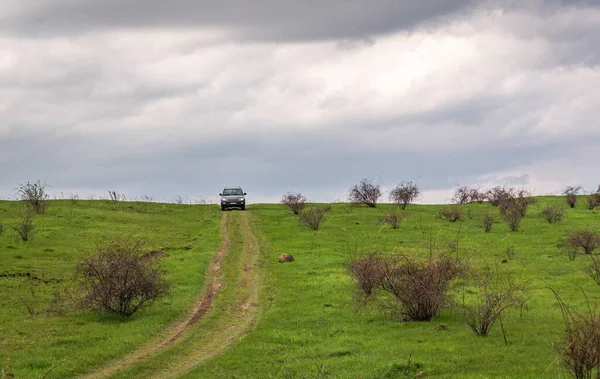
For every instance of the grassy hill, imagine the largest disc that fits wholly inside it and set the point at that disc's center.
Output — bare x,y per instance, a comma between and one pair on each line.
309,324
34,337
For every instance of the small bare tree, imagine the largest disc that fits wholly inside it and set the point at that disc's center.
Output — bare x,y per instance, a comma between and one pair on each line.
593,270
368,271
583,239
314,216
466,194
420,286
553,213
487,222
570,194
404,194
34,194
579,351
499,195
490,296
513,216
25,229
593,200
121,278
296,202
393,218
450,213
366,193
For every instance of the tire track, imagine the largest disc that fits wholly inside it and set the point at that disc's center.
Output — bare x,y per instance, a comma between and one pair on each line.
214,282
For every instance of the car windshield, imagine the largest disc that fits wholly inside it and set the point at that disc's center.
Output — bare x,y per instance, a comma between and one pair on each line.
232,192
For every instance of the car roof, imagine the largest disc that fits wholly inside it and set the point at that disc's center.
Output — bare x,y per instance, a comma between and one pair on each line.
233,187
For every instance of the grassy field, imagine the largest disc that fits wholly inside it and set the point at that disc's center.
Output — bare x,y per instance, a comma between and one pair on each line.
311,328
309,324
34,338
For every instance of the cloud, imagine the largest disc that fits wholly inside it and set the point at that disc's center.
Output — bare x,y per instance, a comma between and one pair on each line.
183,102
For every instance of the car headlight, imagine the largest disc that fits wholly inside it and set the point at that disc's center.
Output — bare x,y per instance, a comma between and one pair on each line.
223,199
241,199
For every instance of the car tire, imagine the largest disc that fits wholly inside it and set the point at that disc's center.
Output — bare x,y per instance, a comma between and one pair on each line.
222,208
243,207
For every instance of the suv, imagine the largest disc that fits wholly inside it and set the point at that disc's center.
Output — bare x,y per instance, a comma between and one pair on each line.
233,197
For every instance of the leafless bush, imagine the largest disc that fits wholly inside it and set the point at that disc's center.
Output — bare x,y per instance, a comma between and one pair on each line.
296,202
553,213
466,194
583,239
365,193
491,295
368,271
513,216
393,218
34,195
593,200
314,216
404,194
518,200
510,252
120,278
420,286
499,195
450,213
487,222
580,348
593,270
25,229
570,194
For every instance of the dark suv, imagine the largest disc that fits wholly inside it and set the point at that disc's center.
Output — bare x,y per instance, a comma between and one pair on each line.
233,197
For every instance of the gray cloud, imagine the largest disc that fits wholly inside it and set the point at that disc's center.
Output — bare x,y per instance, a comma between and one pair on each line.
259,19
145,101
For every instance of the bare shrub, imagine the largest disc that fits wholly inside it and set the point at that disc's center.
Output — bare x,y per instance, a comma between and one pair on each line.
570,194
553,213
368,271
296,202
510,252
314,216
593,270
25,229
34,195
583,239
365,193
593,200
450,213
466,194
393,218
120,278
490,296
499,195
512,216
420,286
404,194
487,222
518,200
580,347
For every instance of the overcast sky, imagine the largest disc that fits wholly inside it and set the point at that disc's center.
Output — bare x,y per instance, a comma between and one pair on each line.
179,98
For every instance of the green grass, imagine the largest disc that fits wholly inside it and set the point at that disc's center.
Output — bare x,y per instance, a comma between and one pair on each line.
309,323
311,328
31,272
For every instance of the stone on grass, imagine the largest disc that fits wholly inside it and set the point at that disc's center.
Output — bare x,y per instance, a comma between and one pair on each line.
286,258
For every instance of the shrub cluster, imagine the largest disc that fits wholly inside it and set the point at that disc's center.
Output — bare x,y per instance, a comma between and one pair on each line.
419,286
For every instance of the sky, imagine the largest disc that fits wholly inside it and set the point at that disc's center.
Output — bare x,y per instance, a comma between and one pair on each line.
167,99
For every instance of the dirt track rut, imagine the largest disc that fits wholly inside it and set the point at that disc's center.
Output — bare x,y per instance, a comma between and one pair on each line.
236,318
